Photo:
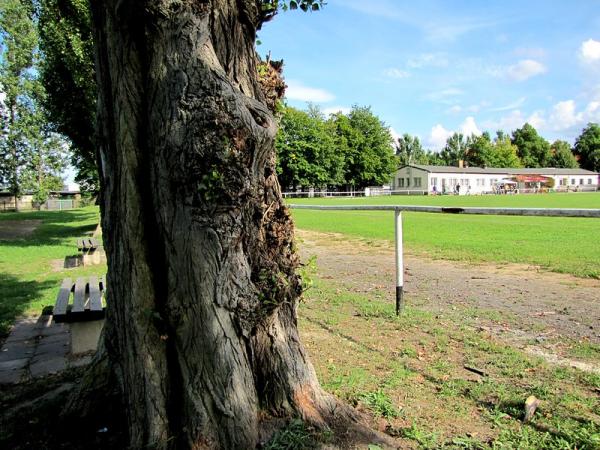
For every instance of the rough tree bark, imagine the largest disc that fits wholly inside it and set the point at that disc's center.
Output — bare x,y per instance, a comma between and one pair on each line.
201,321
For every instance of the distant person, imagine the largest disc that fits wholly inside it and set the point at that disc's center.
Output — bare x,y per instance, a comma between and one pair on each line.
434,190
458,189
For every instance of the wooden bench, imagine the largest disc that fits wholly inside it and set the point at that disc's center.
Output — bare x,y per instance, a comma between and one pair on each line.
87,244
81,304
91,251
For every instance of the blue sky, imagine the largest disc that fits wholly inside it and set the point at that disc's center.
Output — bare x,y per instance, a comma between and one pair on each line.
429,68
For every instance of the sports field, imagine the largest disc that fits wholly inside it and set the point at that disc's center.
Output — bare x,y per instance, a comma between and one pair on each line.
569,245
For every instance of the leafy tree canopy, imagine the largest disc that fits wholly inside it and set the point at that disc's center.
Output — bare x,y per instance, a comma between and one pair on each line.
410,151
455,150
533,150
306,155
587,147
366,144
31,156
562,156
503,153
67,72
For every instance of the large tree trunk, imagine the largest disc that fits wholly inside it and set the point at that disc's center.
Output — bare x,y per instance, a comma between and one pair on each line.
202,291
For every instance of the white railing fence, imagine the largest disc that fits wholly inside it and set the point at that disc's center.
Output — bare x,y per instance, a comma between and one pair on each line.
399,209
377,192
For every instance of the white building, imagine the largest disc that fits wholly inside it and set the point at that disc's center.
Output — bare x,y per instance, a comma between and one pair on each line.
476,180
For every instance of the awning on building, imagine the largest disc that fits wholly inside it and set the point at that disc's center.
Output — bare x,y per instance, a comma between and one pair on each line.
530,178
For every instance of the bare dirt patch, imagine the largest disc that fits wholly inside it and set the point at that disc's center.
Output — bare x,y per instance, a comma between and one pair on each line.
540,312
17,229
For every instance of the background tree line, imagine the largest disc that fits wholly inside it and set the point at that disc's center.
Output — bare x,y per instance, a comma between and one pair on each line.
342,151
523,148
356,150
32,155
48,110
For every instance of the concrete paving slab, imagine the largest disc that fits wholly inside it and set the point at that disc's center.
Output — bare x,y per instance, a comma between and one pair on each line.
22,333
61,337
55,328
17,350
14,364
45,367
11,376
51,350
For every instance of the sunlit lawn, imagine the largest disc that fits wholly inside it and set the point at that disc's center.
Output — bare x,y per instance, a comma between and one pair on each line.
570,245
30,268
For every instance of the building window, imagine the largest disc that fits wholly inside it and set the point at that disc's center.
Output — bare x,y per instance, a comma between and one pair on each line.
417,182
435,183
563,181
401,182
581,181
407,182
573,181
589,181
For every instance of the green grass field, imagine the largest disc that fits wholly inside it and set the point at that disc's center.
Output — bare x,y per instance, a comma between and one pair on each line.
409,371
569,245
30,268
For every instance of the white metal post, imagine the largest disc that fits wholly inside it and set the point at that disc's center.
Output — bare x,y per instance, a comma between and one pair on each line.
399,262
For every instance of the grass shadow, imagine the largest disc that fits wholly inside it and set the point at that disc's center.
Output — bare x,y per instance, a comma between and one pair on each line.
15,296
55,228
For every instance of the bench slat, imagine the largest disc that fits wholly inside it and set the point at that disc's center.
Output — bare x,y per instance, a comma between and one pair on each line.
87,244
95,295
62,300
79,296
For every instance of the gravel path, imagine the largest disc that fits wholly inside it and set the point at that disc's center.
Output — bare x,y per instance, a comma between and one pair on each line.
533,308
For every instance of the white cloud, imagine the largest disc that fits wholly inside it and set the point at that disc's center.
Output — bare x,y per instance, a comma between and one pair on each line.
428,60
592,111
525,69
443,95
336,109
563,118
513,105
537,120
396,73
469,127
446,29
437,137
515,119
530,52
564,115
395,135
475,108
435,27
297,91
455,109
590,51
